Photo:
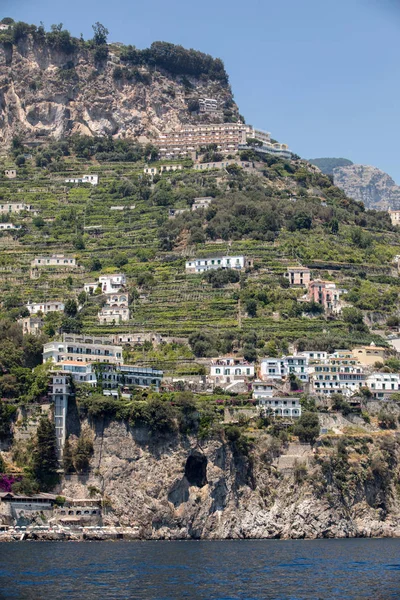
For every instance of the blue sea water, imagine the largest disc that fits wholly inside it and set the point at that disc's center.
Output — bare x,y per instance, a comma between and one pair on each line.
223,570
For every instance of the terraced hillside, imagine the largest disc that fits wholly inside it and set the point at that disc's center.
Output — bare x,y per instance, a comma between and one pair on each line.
282,214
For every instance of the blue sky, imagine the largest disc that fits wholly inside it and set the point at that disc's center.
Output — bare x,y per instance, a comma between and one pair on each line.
322,76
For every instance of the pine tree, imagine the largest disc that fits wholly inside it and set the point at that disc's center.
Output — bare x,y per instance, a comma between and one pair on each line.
45,462
68,463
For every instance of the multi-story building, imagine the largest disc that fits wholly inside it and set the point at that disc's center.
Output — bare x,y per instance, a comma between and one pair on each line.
330,378
200,265
281,407
298,276
55,260
281,368
263,389
31,325
382,385
85,349
45,307
325,293
275,149
314,355
60,391
79,372
244,164
112,283
137,339
226,136
229,369
14,207
92,179
394,217
113,316
125,376
209,105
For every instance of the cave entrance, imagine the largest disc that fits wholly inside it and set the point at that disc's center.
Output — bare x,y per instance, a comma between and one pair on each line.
196,469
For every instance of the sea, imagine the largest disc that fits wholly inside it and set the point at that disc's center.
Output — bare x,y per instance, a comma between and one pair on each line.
202,570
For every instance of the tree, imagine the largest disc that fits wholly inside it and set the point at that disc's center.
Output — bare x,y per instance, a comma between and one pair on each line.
70,308
249,353
334,226
100,34
83,452
307,427
353,316
251,308
68,464
44,456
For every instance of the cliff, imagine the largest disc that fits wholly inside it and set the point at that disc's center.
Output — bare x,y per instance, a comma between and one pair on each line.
369,185
47,91
173,486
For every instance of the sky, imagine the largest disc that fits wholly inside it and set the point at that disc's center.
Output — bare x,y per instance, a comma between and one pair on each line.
320,75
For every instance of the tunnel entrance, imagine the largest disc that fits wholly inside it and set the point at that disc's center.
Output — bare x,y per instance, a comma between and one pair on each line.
196,469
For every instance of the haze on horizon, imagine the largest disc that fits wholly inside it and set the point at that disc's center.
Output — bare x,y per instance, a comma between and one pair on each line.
322,77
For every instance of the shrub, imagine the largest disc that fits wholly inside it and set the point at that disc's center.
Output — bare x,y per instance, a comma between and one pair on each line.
307,427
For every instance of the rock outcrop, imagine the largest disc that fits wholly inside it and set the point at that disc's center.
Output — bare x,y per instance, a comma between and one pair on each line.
47,93
177,487
369,185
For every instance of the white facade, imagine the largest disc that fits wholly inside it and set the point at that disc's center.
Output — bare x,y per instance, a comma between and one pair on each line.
282,407
383,384
4,27
112,283
200,265
10,173
45,307
90,288
92,179
84,349
331,378
56,260
80,372
208,105
263,390
9,227
227,370
113,316
279,368
279,150
138,338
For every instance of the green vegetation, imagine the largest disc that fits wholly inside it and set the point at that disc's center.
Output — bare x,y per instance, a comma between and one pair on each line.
328,164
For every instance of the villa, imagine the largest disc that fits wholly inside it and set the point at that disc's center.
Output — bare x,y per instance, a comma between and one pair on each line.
200,265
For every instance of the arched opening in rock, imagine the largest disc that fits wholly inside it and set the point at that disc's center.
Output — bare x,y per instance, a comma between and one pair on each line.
196,469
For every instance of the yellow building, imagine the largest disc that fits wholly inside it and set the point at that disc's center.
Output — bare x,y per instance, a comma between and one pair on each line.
369,355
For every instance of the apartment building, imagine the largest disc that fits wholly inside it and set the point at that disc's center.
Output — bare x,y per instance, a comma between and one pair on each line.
298,276
92,179
263,390
113,377
281,407
229,369
45,307
330,378
79,372
84,349
281,368
200,265
382,385
369,355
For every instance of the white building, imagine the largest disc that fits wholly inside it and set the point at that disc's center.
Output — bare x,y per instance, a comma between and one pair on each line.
10,173
55,260
204,203
112,283
9,227
128,376
208,105
92,179
329,379
45,307
4,27
382,385
263,389
84,349
281,407
137,339
278,150
200,265
80,372
91,287
229,369
113,316
281,368
14,207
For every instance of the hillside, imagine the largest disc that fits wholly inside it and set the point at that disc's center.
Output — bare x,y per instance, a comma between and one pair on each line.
52,84
327,165
102,240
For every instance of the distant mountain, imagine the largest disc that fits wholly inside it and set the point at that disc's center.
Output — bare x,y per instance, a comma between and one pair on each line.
370,185
326,165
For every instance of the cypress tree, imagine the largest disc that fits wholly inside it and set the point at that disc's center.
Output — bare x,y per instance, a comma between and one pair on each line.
45,461
68,463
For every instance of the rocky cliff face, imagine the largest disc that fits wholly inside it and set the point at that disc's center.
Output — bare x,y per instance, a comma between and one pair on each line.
44,92
170,487
369,185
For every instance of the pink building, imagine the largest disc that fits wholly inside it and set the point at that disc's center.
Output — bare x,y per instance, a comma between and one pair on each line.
325,293
298,276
